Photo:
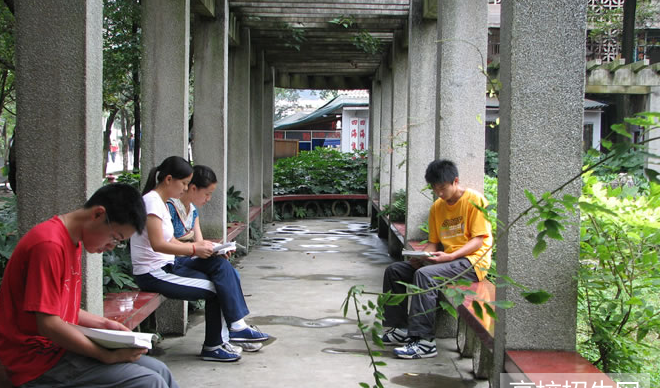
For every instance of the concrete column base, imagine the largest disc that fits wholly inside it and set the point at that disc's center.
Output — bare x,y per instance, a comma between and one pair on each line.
172,317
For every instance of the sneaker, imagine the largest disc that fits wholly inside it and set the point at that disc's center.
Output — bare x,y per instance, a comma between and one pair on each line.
249,346
395,336
224,353
417,349
233,348
249,334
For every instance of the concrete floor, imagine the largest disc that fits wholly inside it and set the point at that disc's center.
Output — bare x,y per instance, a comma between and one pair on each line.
294,286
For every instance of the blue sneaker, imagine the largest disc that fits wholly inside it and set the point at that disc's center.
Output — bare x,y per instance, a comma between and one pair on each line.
223,353
249,334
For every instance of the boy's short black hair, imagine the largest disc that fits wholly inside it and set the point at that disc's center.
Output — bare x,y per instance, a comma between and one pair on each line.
441,171
123,205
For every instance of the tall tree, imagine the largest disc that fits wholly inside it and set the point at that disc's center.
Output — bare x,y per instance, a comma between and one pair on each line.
121,59
7,88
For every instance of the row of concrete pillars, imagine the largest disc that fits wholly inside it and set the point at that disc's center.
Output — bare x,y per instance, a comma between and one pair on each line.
427,101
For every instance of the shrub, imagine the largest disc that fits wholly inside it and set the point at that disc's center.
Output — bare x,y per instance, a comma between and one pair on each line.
322,171
619,276
8,232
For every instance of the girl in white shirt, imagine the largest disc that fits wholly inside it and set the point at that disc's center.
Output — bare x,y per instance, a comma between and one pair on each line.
186,270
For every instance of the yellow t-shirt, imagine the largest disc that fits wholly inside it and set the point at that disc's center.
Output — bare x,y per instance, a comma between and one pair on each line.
454,225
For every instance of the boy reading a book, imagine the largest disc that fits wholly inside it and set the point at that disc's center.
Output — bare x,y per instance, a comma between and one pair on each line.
456,225
40,301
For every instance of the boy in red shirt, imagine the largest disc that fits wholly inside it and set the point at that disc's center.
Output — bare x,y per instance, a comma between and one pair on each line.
40,300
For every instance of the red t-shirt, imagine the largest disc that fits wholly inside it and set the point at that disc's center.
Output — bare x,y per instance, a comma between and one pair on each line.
43,275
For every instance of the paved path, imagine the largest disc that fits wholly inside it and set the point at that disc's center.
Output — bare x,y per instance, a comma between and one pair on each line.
294,286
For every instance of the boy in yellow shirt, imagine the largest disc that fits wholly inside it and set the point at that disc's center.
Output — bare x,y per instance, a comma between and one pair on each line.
459,240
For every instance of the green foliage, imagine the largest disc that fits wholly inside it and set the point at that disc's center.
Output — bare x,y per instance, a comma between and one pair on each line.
299,212
117,271
8,232
367,42
234,200
131,178
491,164
7,77
362,39
619,249
605,21
321,171
293,37
121,51
619,276
396,211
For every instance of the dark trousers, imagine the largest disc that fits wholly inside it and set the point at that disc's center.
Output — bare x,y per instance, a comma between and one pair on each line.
212,279
420,321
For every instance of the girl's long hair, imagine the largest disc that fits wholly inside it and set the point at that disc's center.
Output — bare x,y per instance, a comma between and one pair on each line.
176,166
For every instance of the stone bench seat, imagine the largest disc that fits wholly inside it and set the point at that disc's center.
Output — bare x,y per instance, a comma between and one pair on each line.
132,307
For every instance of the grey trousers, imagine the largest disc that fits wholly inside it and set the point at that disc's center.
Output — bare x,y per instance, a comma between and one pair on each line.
419,324
74,370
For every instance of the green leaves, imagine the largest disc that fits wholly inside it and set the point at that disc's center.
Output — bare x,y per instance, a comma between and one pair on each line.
536,297
321,171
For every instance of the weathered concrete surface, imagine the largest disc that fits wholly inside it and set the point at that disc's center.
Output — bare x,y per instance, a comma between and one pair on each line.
294,291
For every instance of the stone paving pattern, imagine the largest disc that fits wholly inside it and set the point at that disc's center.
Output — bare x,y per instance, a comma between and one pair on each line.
294,285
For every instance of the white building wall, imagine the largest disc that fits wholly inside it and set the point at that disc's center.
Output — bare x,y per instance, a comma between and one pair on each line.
354,129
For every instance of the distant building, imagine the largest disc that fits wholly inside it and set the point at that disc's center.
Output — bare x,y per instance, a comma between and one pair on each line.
341,123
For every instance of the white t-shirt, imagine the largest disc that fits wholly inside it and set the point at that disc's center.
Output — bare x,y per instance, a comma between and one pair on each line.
144,258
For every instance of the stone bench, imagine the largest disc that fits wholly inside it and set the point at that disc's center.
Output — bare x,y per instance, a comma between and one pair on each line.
132,307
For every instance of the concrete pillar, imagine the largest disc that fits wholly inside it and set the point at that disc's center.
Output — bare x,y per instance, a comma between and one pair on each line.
238,153
165,86
654,146
532,158
165,44
422,59
399,116
268,136
461,98
59,96
211,68
256,136
385,134
373,159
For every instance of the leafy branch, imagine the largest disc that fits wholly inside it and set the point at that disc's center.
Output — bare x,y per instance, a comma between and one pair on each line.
548,217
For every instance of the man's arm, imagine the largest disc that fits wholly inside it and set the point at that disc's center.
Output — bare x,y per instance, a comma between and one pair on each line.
470,247
65,335
94,321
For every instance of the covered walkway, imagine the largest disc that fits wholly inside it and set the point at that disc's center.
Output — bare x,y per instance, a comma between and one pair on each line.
294,285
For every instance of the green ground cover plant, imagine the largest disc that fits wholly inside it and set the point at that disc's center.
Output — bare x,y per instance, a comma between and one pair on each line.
321,171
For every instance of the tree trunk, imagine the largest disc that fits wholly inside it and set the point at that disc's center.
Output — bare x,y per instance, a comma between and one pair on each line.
124,139
106,138
628,36
136,104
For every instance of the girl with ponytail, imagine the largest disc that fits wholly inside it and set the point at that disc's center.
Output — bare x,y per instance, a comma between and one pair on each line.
187,270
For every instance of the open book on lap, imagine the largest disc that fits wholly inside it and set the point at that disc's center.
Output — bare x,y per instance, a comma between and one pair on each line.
222,249
407,253
117,339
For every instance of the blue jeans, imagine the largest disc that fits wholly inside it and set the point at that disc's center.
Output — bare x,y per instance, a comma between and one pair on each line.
212,279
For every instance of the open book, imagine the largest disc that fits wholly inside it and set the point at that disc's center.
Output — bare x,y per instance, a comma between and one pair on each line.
222,249
408,253
116,339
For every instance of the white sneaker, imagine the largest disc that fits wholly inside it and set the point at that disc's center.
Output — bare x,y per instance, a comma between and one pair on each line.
232,348
417,349
395,336
249,346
